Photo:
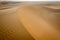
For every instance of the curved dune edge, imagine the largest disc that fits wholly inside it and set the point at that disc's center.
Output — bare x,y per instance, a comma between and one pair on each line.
36,26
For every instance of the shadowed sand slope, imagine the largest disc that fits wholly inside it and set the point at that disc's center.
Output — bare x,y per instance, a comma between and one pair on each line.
11,28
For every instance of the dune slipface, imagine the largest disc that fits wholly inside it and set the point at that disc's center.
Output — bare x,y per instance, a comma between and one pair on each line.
10,27
41,21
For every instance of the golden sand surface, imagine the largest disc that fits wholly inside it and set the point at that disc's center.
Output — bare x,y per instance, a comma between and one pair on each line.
29,22
41,21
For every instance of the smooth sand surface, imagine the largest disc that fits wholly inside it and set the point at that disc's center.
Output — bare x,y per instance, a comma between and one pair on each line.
41,22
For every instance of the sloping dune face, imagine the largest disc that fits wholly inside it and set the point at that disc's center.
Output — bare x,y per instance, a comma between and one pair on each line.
10,27
41,21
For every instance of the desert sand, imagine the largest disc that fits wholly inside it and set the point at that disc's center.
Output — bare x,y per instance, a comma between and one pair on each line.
41,21
30,22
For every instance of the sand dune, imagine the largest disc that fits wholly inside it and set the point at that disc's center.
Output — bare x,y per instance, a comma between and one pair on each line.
29,22
42,22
